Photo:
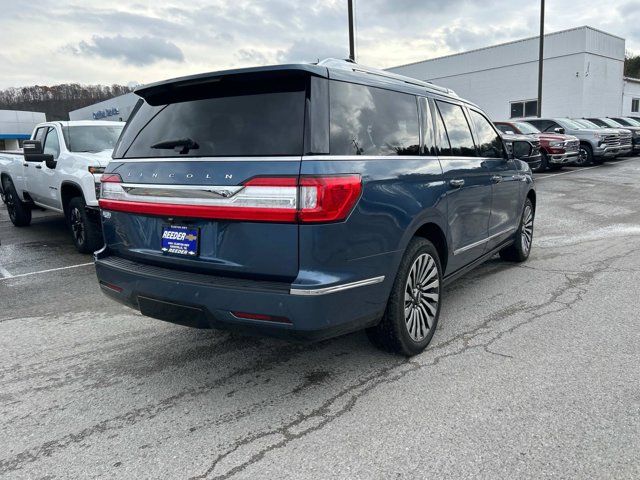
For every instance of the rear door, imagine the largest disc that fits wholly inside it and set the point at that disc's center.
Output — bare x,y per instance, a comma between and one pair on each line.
216,163
506,180
468,181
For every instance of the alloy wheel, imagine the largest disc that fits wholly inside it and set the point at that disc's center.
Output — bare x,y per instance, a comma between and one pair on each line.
77,226
527,229
421,297
11,205
583,156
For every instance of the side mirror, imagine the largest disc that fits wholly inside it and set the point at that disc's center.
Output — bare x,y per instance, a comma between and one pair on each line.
50,162
559,130
521,149
33,152
510,132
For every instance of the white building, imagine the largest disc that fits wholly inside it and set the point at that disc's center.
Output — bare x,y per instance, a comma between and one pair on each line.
583,76
16,126
117,109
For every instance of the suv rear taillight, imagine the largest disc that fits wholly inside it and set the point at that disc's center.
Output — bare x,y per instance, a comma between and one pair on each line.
307,199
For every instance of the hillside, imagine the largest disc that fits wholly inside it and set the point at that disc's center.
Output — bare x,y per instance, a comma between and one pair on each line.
58,100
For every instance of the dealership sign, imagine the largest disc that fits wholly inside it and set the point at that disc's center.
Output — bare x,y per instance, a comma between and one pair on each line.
107,112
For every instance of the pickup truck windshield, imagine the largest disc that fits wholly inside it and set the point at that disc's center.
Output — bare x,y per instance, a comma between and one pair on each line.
91,138
240,119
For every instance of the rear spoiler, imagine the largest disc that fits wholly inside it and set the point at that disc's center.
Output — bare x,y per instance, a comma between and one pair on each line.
196,86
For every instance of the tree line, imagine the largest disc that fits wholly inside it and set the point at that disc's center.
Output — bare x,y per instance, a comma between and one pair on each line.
58,100
632,65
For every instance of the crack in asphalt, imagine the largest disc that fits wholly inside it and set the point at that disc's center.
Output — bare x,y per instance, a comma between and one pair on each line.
574,282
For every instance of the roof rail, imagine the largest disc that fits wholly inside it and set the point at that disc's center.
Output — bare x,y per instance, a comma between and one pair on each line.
350,65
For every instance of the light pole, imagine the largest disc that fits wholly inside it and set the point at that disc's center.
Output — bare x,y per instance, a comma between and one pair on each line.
540,59
352,41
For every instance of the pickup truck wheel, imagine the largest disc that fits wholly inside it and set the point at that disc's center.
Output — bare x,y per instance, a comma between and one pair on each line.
544,164
585,155
19,212
85,231
413,309
521,248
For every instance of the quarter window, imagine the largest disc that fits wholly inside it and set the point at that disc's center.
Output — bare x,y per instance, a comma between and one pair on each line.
372,121
457,130
52,143
488,141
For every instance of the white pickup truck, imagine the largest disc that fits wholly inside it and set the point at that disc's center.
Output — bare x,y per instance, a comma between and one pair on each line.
59,169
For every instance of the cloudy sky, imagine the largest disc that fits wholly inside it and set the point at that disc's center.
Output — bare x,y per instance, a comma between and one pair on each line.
92,41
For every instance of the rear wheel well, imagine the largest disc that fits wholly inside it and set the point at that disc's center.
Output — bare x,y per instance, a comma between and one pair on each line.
435,235
532,196
69,191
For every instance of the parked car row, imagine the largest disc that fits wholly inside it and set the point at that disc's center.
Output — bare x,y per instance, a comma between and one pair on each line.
577,141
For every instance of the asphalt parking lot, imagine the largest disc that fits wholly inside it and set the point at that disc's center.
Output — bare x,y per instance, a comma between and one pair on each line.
533,372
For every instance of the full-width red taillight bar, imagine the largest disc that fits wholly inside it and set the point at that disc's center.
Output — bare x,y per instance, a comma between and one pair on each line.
304,199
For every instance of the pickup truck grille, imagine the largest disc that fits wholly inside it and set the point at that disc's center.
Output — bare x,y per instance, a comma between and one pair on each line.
611,140
572,145
625,140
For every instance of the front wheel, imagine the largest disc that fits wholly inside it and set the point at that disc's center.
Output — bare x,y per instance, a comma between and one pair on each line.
521,248
85,231
19,212
585,155
413,309
544,164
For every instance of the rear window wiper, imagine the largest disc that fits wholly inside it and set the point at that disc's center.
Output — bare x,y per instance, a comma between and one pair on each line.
186,144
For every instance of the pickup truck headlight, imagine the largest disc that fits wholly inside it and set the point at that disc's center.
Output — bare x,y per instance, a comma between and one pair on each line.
556,144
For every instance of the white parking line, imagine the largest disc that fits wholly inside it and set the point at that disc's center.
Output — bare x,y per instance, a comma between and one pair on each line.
44,271
583,169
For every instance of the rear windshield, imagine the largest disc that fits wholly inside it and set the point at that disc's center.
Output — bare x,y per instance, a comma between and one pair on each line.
257,119
91,138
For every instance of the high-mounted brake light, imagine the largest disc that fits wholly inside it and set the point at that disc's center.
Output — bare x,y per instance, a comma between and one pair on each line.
305,199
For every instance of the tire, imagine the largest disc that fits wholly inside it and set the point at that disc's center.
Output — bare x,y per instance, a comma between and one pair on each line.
544,164
85,231
411,317
521,248
585,157
19,212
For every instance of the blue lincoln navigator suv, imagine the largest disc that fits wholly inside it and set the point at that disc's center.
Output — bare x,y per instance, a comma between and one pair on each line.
307,201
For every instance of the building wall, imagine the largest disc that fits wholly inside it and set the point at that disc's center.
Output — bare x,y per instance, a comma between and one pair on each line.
582,74
118,108
631,91
16,125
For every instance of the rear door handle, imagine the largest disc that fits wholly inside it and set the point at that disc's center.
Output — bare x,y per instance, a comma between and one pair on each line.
496,178
39,167
457,182
25,164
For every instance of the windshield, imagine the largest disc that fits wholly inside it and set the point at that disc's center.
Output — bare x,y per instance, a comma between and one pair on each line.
91,138
582,124
570,124
631,122
611,123
526,128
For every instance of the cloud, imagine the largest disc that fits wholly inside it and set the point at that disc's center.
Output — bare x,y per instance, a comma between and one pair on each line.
311,50
139,51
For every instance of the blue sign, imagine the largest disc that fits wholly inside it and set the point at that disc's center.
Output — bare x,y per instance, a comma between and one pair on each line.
107,112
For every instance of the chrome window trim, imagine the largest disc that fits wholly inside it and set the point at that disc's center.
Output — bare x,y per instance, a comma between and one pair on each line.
207,159
336,288
477,244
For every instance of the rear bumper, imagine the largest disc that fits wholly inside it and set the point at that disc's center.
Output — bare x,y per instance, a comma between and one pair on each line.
563,158
205,301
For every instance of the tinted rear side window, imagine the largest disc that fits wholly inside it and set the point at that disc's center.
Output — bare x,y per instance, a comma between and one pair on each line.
488,141
457,129
240,119
372,121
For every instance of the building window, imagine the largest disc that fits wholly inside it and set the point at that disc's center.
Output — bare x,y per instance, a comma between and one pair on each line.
524,108
635,105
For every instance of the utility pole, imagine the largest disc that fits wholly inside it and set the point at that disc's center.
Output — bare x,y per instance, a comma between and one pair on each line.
541,59
352,40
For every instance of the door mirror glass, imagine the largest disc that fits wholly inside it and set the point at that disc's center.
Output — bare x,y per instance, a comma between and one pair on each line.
521,149
559,130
